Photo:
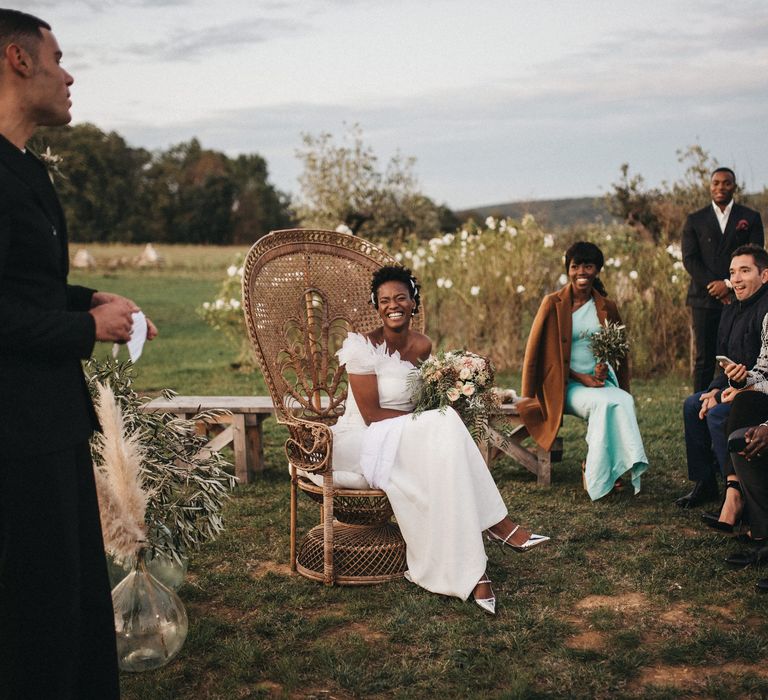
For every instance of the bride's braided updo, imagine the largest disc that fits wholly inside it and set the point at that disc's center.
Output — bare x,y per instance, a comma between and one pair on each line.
395,273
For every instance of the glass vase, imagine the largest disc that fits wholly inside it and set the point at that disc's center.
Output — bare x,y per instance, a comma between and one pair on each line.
150,620
167,571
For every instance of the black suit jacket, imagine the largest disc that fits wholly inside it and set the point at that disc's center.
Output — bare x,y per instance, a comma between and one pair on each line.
45,327
707,251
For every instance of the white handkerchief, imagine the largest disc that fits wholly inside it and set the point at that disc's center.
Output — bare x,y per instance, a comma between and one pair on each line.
138,337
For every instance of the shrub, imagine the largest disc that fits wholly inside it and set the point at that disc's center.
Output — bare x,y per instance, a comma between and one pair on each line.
483,285
225,313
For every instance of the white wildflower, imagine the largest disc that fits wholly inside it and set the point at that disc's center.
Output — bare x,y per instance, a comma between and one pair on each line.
464,234
490,222
520,289
675,251
474,291
677,265
448,284
608,236
512,231
234,303
549,240
408,254
633,274
398,257
231,270
343,228
617,262
528,220
674,279
563,279
440,282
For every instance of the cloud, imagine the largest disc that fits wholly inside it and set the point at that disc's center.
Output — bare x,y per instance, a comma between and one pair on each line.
187,44
555,142
104,5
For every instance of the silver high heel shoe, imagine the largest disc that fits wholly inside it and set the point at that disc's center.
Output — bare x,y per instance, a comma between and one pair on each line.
530,543
487,604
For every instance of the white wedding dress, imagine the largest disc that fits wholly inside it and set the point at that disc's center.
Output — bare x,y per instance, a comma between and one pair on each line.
441,491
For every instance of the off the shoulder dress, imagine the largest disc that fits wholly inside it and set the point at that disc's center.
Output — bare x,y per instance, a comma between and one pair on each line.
441,491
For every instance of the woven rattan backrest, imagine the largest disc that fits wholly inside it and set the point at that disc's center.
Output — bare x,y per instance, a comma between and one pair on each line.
303,291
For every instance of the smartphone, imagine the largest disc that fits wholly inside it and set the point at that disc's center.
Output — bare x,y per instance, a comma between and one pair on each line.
724,360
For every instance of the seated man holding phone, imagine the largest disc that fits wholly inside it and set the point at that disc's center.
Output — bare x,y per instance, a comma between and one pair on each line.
738,342
748,447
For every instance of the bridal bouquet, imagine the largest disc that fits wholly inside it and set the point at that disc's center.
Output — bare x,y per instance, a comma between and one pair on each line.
461,380
609,344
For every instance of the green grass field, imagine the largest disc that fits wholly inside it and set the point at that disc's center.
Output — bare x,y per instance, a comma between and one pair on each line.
630,599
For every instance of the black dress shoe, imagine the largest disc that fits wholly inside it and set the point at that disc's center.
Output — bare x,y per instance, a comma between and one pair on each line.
702,492
744,559
762,585
713,520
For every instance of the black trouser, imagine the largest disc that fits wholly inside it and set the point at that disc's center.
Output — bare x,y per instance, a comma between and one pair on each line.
705,323
751,408
57,632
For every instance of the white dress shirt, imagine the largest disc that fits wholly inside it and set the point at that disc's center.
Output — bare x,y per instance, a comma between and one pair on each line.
722,216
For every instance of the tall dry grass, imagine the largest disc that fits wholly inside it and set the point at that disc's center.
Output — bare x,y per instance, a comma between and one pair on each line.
483,285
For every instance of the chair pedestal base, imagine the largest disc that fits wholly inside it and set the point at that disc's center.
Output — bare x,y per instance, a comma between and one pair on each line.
362,554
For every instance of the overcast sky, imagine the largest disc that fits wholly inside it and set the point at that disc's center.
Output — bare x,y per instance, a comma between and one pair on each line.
498,100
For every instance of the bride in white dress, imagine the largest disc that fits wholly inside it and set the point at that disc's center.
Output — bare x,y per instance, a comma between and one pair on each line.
441,491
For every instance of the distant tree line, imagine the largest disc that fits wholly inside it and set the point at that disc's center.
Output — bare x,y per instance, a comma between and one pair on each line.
112,192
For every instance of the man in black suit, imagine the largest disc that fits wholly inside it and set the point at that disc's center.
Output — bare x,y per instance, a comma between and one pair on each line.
709,237
56,623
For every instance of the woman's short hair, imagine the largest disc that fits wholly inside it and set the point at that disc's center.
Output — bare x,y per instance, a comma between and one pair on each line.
584,252
395,273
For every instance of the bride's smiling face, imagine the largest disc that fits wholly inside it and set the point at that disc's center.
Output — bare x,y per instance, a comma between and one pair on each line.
395,305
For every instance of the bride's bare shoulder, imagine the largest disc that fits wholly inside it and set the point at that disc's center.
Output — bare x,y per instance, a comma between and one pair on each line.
422,345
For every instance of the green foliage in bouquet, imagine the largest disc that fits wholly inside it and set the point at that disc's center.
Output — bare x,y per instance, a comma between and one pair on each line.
461,380
186,486
609,343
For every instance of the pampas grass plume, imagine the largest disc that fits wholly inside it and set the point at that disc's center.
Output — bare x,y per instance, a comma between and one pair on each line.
122,500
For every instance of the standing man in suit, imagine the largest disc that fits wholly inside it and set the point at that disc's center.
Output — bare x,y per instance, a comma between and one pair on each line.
57,637
709,237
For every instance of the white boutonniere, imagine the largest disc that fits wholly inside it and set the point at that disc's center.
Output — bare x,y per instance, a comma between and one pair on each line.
51,161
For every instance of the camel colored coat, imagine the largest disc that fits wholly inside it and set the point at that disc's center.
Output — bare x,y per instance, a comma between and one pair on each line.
547,362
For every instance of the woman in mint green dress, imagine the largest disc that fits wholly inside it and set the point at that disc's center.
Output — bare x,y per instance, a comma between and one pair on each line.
558,357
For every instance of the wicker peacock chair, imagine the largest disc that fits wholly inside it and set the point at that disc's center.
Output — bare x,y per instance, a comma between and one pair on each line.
303,291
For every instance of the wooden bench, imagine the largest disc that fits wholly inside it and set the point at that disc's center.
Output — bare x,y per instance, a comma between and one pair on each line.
246,414
243,420
535,459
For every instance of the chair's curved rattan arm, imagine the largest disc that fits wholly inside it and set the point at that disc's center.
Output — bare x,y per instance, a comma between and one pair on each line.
310,445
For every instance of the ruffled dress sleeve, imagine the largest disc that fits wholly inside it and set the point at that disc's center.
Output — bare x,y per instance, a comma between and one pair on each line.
357,354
